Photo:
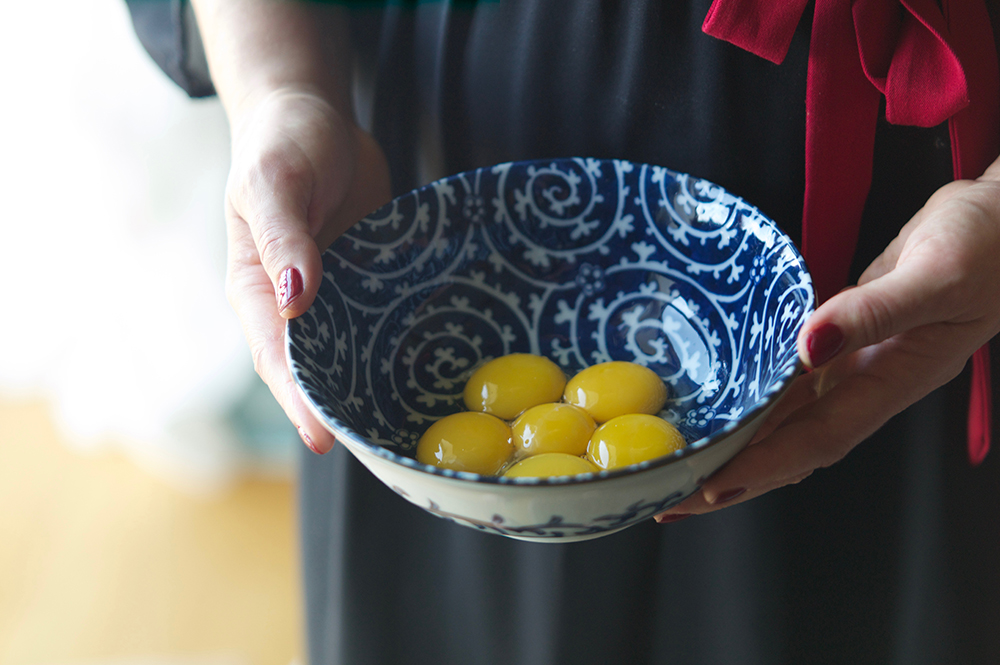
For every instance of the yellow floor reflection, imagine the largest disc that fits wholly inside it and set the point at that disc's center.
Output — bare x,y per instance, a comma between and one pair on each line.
101,562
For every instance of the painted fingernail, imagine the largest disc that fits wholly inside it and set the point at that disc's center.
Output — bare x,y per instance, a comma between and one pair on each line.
308,441
674,517
824,343
289,287
729,495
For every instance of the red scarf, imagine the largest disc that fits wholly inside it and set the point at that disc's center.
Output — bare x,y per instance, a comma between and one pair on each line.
932,62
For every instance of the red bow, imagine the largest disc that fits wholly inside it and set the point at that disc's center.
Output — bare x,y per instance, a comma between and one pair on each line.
932,63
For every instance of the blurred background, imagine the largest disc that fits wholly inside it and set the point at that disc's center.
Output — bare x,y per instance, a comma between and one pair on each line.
146,475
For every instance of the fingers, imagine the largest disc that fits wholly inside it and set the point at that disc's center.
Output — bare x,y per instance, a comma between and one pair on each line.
802,391
939,268
815,436
301,176
292,168
290,215
856,394
910,296
917,314
271,201
252,296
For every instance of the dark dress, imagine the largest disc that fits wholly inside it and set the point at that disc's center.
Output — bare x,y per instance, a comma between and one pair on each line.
887,557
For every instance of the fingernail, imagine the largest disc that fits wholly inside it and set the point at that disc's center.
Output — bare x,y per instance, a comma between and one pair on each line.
289,287
729,495
823,344
309,442
674,517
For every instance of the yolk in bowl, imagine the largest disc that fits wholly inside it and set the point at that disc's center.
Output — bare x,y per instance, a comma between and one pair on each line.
616,388
552,436
466,441
508,385
631,439
550,464
553,428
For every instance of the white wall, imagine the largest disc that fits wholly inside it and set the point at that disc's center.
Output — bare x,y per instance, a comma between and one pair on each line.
112,252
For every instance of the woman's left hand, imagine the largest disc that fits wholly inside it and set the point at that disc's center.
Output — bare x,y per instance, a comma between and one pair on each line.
919,312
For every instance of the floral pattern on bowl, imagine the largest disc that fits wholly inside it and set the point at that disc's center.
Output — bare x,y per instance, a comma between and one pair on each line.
581,260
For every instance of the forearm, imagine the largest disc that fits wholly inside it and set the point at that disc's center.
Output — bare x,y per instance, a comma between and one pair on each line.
256,47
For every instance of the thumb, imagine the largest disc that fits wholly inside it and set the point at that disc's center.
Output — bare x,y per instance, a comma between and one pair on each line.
902,299
273,203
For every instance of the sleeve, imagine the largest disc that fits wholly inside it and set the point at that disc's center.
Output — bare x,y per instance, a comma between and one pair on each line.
168,31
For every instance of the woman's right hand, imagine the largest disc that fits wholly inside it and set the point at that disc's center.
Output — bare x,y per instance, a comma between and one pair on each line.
301,175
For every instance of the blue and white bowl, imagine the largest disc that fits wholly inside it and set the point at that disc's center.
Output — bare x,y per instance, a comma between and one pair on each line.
580,260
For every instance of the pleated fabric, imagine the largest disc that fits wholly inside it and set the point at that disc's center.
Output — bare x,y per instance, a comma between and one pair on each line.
887,557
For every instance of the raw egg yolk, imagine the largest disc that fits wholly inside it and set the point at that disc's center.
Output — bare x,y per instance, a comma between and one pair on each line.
553,428
632,439
508,385
616,388
466,441
550,464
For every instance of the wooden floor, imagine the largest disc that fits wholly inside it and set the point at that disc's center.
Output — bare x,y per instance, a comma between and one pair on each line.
101,563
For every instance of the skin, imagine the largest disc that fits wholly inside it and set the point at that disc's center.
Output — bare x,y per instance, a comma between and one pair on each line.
303,172
918,313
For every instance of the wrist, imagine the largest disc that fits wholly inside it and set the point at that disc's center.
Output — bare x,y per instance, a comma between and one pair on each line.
258,49
262,102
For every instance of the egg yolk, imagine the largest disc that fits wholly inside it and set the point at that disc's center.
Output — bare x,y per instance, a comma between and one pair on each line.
632,439
466,441
508,385
616,388
550,464
553,428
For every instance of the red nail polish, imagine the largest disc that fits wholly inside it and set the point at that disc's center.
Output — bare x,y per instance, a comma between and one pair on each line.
675,517
729,495
308,441
289,287
824,343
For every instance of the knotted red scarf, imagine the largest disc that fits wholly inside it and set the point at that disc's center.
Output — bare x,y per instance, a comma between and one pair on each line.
932,62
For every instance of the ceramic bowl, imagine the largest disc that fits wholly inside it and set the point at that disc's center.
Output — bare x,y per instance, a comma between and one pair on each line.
582,261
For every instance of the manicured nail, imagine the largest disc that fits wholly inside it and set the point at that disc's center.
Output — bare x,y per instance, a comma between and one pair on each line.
824,343
674,517
289,287
729,495
308,441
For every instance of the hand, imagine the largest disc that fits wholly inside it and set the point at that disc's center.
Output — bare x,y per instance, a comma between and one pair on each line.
918,313
301,175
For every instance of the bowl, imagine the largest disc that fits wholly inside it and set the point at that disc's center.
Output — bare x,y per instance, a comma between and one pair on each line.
580,260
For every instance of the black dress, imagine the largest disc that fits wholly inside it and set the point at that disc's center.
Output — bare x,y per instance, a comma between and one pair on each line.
887,557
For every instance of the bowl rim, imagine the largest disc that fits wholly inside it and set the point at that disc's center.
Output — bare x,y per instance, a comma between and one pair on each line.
349,438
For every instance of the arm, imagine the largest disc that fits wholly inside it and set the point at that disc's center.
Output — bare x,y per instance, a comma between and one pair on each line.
257,47
302,171
917,315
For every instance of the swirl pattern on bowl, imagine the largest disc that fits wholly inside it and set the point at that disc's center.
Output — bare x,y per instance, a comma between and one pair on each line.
580,260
